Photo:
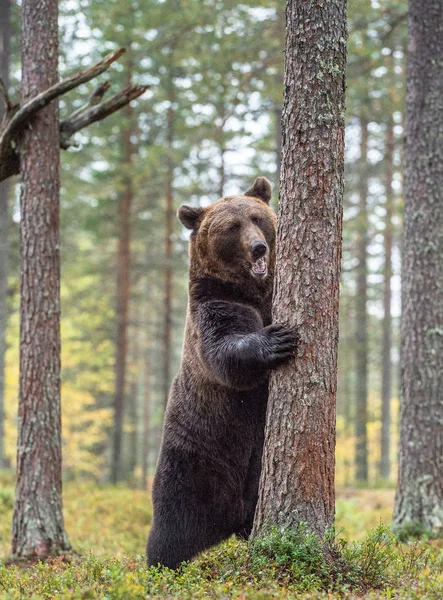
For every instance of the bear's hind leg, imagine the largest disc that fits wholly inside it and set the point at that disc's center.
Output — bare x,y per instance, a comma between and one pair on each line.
166,551
170,546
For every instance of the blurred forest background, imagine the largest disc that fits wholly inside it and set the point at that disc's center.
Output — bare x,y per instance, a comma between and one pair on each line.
208,125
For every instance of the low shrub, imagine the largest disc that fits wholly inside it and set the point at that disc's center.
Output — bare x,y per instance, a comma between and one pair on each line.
303,559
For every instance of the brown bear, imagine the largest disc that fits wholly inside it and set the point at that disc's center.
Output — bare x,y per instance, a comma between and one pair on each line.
206,485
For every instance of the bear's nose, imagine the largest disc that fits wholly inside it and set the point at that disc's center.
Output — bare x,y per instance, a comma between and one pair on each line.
258,250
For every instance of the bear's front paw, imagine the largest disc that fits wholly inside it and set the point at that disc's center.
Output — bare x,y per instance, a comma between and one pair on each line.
282,343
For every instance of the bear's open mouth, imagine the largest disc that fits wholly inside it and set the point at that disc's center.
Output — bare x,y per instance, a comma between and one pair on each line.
260,267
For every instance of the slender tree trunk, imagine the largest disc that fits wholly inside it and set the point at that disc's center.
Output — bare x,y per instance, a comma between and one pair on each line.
399,239
419,500
347,370
146,408
221,145
385,460
221,186
361,333
38,527
169,227
123,291
5,34
346,334
297,482
132,442
144,381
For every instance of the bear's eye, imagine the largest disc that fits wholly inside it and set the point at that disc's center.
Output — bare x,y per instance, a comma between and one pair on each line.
234,227
256,220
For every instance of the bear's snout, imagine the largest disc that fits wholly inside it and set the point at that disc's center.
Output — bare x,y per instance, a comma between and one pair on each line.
258,249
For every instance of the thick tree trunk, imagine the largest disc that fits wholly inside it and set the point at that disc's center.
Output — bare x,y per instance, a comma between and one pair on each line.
419,500
38,527
122,291
5,34
361,333
386,387
297,482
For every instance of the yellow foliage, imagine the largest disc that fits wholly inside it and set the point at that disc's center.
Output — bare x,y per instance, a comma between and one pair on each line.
345,448
84,425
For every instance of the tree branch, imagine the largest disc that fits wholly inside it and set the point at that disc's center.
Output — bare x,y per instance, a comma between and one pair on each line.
30,108
94,110
81,119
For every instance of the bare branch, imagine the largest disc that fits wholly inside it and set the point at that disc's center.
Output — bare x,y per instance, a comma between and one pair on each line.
80,120
29,109
10,163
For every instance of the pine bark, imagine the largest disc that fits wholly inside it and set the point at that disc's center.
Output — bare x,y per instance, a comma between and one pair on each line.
5,35
122,292
278,141
386,386
361,332
419,499
38,527
297,482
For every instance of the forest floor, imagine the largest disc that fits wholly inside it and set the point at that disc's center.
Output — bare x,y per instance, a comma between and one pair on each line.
108,528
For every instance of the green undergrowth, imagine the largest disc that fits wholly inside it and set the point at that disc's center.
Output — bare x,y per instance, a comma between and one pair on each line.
333,564
108,529
279,566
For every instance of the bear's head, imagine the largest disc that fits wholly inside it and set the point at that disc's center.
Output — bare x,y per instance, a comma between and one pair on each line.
233,239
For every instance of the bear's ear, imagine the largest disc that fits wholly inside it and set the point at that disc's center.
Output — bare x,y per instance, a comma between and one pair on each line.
189,216
261,189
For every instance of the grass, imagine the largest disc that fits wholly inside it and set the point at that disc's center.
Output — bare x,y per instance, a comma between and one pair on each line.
108,529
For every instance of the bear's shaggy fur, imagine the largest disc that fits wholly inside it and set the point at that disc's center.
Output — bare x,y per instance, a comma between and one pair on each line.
206,484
